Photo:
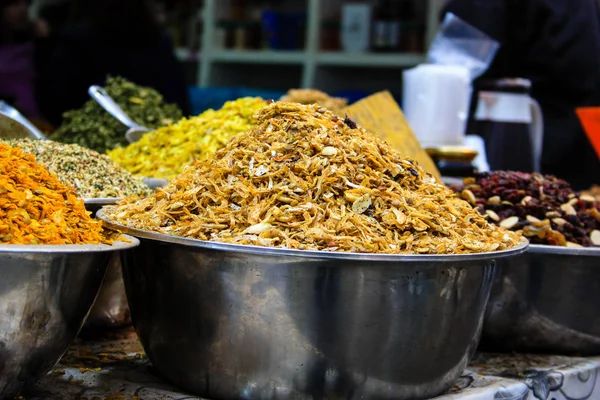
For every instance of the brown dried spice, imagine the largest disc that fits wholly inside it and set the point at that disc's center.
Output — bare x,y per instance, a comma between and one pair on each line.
274,186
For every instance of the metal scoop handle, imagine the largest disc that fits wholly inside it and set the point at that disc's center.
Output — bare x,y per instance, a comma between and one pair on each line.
106,102
12,113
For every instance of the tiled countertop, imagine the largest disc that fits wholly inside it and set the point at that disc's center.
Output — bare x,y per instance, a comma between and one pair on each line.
119,370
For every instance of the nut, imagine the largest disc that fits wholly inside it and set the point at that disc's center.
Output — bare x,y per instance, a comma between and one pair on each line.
469,196
587,197
595,237
572,202
533,219
494,200
568,209
361,204
493,216
510,222
507,203
573,245
553,214
526,200
559,221
329,151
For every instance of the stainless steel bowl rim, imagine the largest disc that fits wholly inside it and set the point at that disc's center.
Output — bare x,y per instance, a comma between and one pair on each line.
273,251
70,248
567,251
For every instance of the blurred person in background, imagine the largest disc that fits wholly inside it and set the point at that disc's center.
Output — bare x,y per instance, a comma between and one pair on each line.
17,56
556,45
109,38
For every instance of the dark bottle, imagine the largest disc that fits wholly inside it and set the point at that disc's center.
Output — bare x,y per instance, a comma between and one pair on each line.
380,39
394,24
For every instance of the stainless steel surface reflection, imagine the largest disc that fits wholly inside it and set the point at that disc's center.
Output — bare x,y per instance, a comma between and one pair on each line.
228,321
546,301
45,295
110,310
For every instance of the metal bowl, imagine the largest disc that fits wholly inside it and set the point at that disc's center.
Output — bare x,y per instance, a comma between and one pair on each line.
94,205
46,292
110,310
231,321
546,301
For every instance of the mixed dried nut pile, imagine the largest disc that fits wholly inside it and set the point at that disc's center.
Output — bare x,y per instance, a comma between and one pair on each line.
545,209
303,178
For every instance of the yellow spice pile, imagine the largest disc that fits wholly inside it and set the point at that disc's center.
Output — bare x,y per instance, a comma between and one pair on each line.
165,152
303,178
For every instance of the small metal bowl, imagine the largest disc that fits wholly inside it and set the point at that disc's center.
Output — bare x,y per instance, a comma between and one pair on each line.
96,204
46,292
232,321
546,301
155,183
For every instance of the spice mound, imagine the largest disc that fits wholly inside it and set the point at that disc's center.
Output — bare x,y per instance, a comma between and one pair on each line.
36,208
313,96
165,152
303,178
92,174
545,209
94,128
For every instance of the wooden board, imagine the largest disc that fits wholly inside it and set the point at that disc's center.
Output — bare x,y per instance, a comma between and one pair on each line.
590,119
381,115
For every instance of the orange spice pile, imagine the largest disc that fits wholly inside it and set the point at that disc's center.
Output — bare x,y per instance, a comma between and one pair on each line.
36,208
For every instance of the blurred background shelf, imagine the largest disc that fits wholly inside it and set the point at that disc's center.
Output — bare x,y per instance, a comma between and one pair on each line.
342,59
258,56
238,48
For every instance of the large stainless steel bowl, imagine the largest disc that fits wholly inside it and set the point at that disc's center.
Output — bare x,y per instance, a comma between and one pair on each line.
45,294
546,300
230,321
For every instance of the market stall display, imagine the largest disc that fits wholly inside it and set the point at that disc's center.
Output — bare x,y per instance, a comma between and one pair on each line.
165,152
545,209
281,279
302,178
93,175
92,127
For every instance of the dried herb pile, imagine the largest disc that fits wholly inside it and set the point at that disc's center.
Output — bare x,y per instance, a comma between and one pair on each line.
93,175
36,208
313,96
164,153
303,178
545,209
94,128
